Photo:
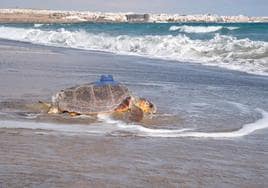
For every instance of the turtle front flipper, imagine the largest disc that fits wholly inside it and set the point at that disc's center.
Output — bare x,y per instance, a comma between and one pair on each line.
135,114
124,106
73,114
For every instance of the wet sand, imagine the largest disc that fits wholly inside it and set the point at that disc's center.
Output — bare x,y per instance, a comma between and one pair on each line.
34,160
196,96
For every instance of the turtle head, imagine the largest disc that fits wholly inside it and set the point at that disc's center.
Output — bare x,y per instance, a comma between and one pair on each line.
146,106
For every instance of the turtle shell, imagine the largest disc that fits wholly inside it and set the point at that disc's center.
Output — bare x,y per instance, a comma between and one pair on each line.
91,98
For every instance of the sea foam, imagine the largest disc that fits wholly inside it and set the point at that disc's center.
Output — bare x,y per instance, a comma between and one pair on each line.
38,25
199,29
224,51
109,126
165,133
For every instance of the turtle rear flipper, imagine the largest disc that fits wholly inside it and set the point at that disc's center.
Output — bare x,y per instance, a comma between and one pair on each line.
135,114
50,109
44,106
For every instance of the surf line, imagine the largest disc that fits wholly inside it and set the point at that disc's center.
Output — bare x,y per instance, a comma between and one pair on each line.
138,130
165,133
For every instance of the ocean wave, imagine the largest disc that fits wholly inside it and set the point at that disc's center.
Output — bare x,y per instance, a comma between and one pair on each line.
199,29
38,25
223,51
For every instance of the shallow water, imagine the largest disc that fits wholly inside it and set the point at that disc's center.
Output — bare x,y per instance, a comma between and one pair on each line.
210,129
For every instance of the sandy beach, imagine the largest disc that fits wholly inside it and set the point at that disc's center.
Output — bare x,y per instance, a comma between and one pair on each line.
43,151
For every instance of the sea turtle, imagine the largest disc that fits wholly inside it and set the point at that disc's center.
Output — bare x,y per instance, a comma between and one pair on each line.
103,96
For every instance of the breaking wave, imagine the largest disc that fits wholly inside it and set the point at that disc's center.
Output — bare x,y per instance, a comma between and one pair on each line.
199,29
38,25
224,51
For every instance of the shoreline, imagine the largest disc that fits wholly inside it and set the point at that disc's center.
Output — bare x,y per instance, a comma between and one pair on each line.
50,158
100,62
57,16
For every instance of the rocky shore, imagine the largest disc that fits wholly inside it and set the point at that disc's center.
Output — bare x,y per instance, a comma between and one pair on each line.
55,16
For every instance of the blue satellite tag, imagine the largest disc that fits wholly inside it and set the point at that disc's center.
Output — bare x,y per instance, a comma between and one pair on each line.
106,80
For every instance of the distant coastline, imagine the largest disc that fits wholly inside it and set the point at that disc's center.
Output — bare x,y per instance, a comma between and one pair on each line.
55,16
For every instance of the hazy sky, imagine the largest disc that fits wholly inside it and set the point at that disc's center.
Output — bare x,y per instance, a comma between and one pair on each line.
221,7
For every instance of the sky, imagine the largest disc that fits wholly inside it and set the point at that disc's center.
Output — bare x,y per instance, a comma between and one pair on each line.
220,7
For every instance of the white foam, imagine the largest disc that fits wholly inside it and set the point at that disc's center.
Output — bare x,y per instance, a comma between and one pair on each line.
232,28
147,132
224,51
110,126
38,25
199,29
133,128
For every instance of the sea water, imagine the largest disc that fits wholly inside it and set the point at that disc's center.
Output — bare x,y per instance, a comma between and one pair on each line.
237,46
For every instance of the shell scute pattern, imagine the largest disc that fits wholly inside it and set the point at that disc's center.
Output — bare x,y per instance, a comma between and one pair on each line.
83,95
117,92
90,98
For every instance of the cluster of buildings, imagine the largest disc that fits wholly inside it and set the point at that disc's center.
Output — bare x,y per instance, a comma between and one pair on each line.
45,16
204,18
